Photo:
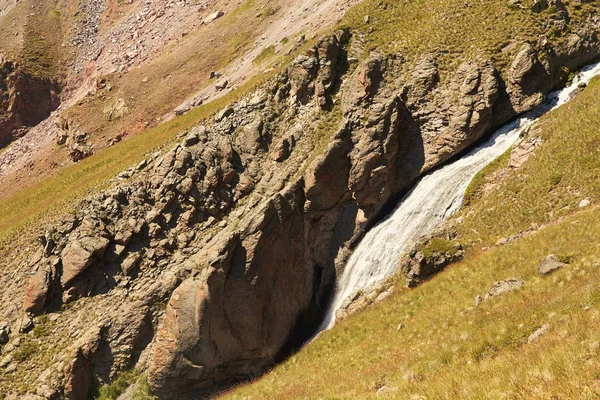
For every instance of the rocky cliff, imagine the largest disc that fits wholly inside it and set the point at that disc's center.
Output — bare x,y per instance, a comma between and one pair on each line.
206,262
25,100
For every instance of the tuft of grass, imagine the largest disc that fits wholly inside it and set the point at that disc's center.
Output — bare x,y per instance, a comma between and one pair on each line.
264,55
25,351
122,383
42,327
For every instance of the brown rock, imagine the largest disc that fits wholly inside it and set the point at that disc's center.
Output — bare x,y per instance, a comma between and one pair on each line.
37,291
231,321
550,264
78,372
79,255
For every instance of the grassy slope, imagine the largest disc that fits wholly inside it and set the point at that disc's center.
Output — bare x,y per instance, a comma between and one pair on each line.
449,349
560,174
182,67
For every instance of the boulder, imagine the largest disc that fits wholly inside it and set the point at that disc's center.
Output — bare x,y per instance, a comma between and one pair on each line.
550,264
502,287
79,254
37,291
213,17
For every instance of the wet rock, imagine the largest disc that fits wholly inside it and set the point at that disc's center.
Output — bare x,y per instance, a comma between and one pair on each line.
550,264
502,287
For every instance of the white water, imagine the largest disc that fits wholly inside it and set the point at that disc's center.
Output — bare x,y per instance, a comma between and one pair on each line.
434,198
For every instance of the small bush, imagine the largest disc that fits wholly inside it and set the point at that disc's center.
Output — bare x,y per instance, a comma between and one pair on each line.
25,351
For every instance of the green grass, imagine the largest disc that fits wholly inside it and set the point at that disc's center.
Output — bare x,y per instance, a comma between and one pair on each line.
42,327
449,349
563,171
122,383
265,54
416,27
25,351
438,245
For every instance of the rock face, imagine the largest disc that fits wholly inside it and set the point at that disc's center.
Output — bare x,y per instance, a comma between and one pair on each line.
25,100
206,330
243,225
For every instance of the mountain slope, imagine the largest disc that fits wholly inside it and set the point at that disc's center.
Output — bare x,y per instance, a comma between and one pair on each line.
430,342
213,254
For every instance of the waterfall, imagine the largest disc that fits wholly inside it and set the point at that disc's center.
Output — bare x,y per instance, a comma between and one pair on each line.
434,198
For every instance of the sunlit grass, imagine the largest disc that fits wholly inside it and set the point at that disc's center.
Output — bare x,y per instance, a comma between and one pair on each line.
562,172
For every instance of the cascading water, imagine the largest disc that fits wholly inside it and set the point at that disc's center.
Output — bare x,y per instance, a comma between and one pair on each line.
434,198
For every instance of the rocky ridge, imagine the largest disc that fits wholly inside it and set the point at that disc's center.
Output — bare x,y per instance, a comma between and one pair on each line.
245,223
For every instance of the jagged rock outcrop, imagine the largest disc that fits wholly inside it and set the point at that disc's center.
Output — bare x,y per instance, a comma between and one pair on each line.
244,224
25,100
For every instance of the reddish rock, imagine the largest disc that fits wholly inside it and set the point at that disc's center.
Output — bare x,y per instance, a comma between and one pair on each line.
37,291
79,255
